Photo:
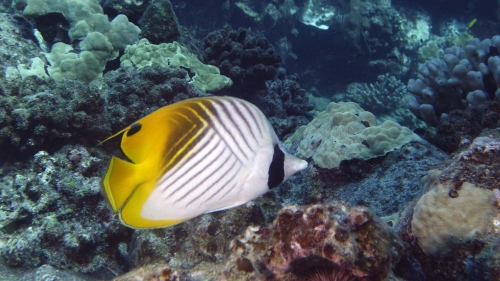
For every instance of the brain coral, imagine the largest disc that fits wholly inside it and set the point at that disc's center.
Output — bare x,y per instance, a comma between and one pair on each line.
441,221
345,131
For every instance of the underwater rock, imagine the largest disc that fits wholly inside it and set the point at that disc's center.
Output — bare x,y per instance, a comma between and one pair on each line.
152,273
301,242
132,9
385,184
159,24
199,240
457,130
16,33
201,17
47,273
453,228
305,240
52,212
38,114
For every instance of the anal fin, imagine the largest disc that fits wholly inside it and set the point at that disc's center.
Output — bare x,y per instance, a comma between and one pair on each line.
119,182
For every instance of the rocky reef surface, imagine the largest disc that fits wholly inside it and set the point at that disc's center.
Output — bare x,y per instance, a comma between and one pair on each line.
378,202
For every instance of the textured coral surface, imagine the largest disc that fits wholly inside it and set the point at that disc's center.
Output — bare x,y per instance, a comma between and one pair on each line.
282,56
457,216
345,131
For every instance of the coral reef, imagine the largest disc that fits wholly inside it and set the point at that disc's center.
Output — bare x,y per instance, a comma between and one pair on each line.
201,240
268,15
303,240
300,242
38,114
99,40
55,224
444,218
244,57
156,19
386,99
254,67
453,228
364,39
42,210
461,126
463,77
356,19
15,31
205,78
284,103
386,94
385,184
345,131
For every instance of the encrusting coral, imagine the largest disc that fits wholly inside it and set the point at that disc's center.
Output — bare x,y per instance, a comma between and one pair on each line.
444,217
458,215
206,78
303,240
345,131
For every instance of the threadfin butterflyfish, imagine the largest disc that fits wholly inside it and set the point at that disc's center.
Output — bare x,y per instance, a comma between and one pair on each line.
194,157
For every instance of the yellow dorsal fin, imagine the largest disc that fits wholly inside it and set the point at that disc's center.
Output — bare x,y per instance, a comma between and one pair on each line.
116,134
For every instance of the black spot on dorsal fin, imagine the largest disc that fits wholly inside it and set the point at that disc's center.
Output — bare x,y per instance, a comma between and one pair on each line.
134,128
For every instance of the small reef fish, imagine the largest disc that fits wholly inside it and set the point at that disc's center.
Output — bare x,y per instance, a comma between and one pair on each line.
194,157
471,24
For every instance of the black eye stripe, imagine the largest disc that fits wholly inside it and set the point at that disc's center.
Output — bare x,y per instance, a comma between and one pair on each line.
277,168
134,128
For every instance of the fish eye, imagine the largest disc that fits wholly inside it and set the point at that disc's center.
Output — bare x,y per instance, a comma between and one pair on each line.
134,128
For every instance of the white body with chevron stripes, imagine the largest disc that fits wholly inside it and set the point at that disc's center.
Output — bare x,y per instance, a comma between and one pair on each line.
226,154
